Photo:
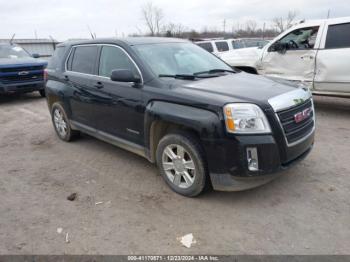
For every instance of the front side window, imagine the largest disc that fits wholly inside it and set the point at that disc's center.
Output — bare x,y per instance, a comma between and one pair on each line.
206,46
303,38
222,46
338,36
113,58
12,51
178,58
83,59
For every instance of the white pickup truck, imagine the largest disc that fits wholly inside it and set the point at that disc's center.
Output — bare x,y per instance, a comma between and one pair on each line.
316,53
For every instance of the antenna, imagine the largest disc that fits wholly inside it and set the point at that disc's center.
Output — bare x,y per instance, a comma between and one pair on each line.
53,42
91,34
13,36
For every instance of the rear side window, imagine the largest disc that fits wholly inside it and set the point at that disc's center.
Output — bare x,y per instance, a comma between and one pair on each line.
55,62
83,59
113,58
222,46
338,36
237,44
206,46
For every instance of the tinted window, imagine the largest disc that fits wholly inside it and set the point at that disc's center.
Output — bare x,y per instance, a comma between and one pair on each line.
338,36
222,46
84,59
114,58
206,46
303,38
55,61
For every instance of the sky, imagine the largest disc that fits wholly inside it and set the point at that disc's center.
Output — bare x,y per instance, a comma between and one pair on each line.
69,19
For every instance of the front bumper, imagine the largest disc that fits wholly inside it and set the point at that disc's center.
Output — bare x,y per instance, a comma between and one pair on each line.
228,165
23,87
228,182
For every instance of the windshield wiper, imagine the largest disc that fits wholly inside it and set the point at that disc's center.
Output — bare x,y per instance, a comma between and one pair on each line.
183,76
213,71
189,77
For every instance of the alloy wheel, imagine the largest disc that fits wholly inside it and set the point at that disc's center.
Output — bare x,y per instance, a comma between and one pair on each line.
178,166
60,123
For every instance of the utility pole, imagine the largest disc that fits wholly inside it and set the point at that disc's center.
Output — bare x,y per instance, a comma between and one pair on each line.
224,24
329,13
263,31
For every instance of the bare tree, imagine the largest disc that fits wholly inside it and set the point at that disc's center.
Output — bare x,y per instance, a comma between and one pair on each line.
251,26
153,16
174,30
283,23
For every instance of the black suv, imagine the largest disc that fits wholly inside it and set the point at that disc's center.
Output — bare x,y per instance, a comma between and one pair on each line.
20,72
181,107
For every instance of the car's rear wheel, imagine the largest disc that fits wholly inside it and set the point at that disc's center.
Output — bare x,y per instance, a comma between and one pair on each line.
61,123
181,162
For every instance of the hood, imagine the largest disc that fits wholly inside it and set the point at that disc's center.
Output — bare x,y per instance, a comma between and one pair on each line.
242,52
242,57
240,87
25,61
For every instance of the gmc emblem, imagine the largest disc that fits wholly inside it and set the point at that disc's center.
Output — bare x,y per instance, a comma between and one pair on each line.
302,115
23,73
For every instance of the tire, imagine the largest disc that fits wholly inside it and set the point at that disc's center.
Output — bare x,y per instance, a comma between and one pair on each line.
61,124
42,93
188,179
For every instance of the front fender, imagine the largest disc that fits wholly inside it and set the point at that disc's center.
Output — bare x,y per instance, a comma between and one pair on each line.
207,124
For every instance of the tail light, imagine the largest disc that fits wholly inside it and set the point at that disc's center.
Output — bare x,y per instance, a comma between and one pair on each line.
46,75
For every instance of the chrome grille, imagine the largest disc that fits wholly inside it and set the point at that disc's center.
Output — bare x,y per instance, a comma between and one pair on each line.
296,129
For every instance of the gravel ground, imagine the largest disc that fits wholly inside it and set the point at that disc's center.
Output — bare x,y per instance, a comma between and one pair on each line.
307,211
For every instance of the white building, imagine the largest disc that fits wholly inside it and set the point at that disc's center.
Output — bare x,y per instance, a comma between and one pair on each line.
43,47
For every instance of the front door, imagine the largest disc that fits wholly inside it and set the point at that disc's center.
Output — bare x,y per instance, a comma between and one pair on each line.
120,108
332,67
293,56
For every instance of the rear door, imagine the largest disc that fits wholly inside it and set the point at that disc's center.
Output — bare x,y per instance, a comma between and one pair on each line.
297,63
80,68
333,59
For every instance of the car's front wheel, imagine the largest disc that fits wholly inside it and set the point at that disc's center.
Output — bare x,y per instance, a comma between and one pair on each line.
61,123
42,92
180,159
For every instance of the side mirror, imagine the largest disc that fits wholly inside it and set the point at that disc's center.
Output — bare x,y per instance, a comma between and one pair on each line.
35,55
278,47
125,75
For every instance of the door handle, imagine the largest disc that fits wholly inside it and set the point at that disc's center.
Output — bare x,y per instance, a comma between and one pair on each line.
307,57
66,78
98,85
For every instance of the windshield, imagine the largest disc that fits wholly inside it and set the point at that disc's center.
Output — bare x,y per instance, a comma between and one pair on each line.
12,51
179,58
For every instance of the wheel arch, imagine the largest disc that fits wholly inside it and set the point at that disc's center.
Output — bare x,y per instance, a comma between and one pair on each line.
162,118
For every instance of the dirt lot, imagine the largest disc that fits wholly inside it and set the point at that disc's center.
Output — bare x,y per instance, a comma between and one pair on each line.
307,211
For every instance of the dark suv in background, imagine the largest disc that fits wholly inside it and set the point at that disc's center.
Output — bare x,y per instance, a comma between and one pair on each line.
20,72
175,104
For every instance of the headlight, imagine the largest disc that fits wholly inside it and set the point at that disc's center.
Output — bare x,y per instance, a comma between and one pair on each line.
244,118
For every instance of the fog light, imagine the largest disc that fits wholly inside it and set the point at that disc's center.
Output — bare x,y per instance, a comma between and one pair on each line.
252,158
